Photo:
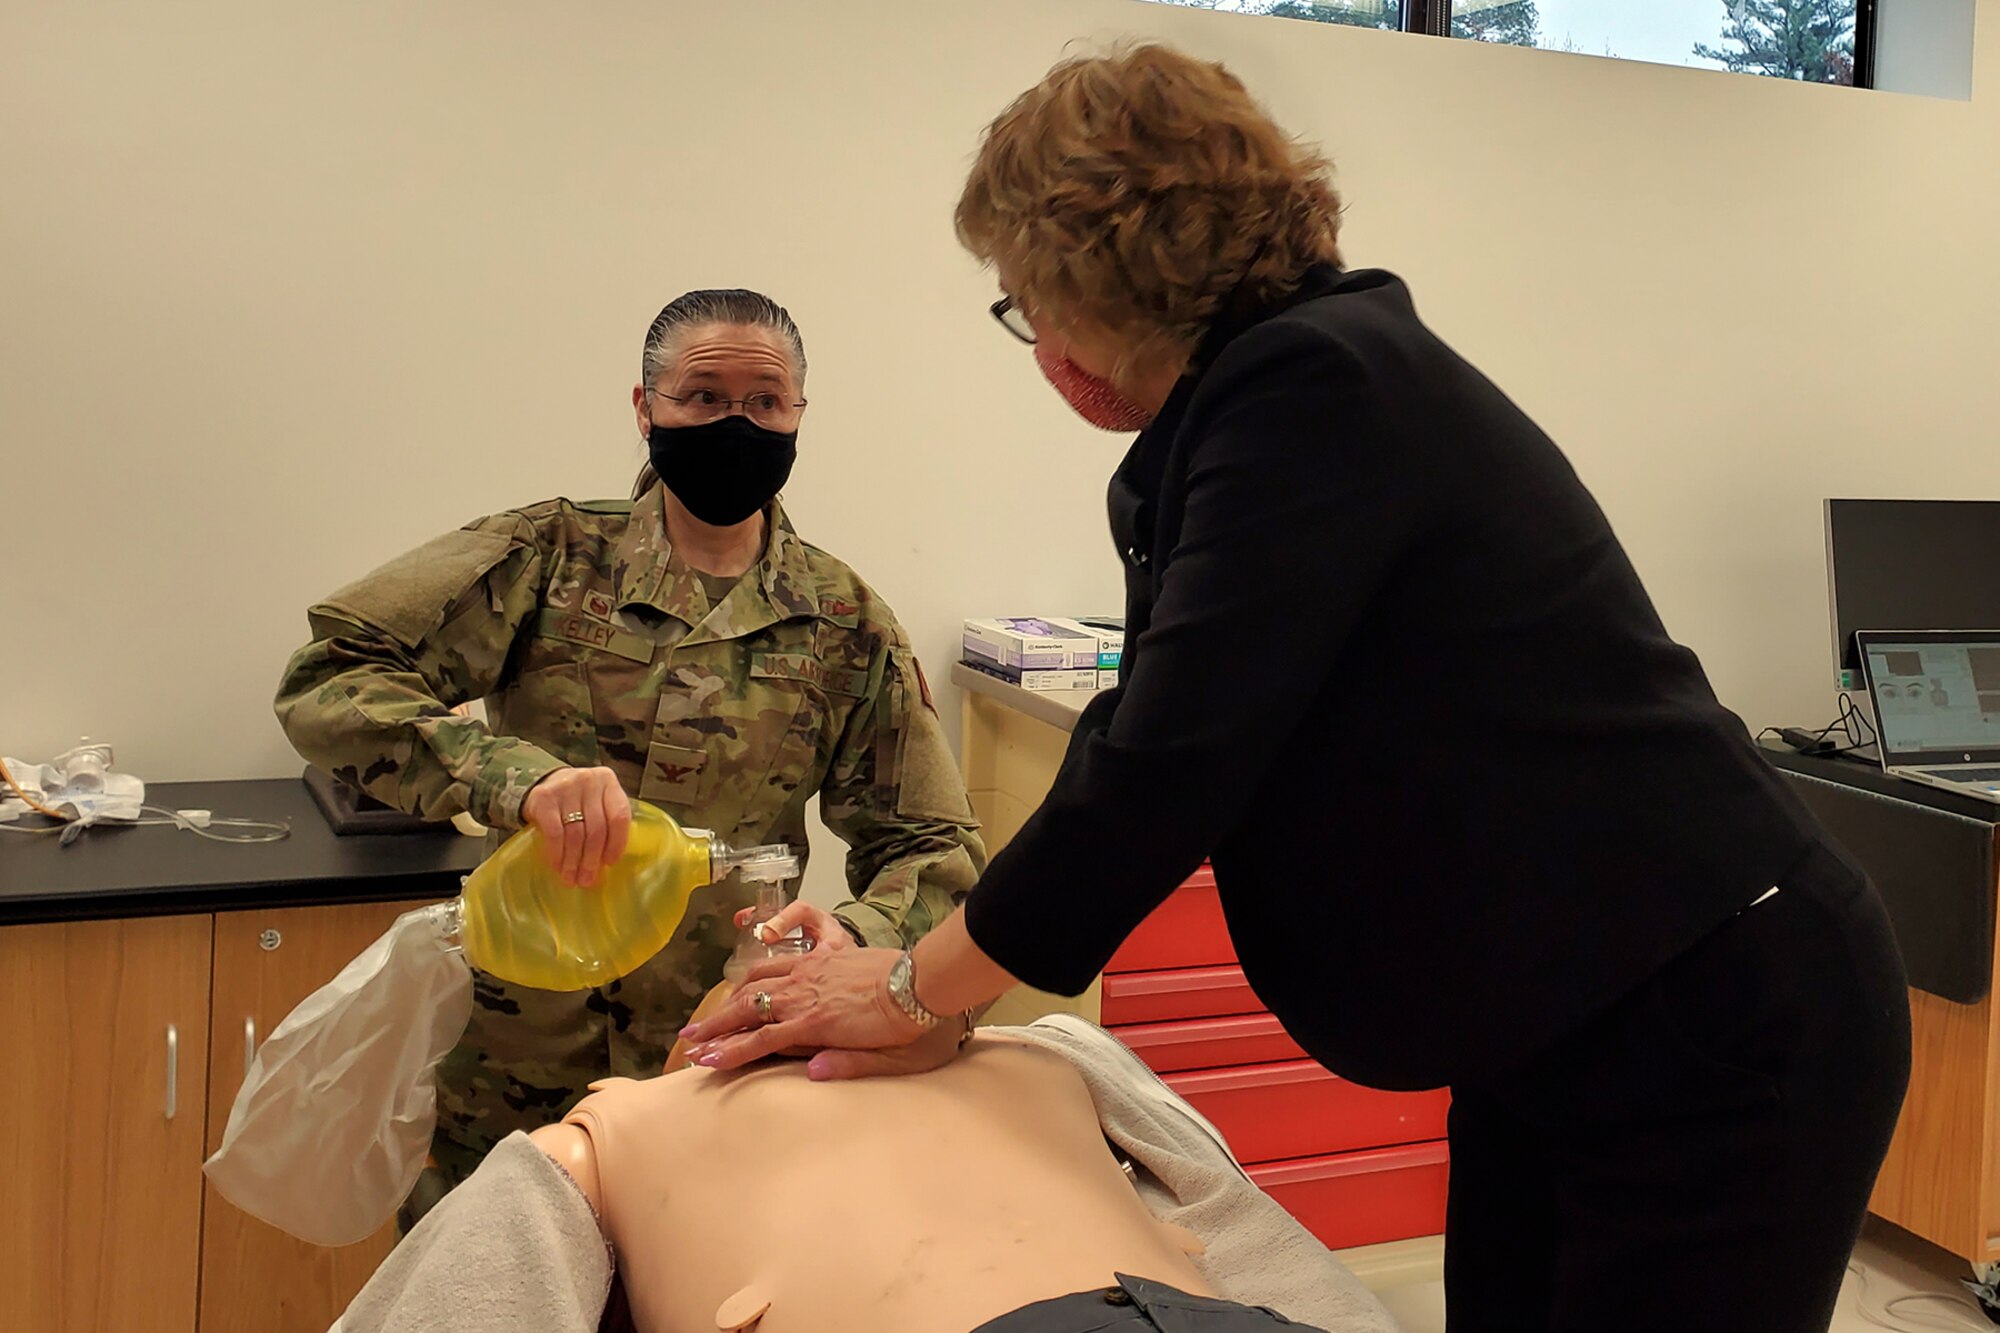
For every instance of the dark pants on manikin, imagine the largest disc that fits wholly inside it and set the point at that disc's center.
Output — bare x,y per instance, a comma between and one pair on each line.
1697,1159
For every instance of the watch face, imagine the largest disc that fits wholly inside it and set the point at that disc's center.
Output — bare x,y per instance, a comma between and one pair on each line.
904,993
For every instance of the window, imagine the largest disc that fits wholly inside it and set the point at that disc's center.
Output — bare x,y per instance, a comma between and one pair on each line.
1353,13
1808,40
1816,41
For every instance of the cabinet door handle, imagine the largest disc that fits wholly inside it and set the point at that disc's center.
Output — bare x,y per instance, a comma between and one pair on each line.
173,1070
249,1044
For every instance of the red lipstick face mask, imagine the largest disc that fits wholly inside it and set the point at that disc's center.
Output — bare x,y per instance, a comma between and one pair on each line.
1093,399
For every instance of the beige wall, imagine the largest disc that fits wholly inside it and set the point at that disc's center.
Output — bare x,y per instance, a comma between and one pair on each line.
288,288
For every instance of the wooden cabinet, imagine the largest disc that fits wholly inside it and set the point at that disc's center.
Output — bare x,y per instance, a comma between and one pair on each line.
255,1278
1010,761
101,1141
1935,859
125,1044
1941,1179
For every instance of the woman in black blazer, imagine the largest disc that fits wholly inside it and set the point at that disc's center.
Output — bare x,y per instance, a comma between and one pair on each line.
1545,866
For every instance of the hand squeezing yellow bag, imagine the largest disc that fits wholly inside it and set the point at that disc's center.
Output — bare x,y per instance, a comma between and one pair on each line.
335,1115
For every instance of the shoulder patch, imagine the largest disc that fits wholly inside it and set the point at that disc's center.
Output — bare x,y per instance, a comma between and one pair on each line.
408,597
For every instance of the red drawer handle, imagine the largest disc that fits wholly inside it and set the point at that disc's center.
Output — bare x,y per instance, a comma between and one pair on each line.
1168,983
1366,1162
1245,1077
1236,1027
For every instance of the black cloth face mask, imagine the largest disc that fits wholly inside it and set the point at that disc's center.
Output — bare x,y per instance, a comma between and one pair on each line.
724,470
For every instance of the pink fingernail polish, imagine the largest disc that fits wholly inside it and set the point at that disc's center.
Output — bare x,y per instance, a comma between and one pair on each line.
711,1060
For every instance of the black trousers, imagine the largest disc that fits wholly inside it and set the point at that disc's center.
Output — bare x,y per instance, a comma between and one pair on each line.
1697,1159
1136,1305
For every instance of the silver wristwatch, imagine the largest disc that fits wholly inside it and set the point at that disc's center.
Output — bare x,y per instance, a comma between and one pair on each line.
903,990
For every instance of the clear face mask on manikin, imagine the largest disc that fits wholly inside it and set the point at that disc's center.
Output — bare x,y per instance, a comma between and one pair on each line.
334,1119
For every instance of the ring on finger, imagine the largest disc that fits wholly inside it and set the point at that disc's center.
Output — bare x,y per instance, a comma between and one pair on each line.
573,817
762,999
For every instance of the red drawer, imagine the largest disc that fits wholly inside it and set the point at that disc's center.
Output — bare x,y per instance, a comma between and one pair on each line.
1187,930
1364,1198
1161,997
1210,1043
1298,1109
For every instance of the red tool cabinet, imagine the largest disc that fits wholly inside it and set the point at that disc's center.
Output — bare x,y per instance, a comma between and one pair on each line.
1191,992
1210,1043
1355,1165
1362,1198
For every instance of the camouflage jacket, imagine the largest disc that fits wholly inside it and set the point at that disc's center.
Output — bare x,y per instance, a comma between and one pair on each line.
593,646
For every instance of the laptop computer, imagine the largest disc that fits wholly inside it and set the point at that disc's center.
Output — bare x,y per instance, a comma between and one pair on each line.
1937,706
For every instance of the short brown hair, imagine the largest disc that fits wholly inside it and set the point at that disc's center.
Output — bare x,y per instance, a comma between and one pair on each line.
1136,190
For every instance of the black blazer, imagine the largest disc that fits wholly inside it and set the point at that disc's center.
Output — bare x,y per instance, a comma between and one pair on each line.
1387,666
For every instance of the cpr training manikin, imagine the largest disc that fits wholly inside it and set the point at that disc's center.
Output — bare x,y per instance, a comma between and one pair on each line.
987,1195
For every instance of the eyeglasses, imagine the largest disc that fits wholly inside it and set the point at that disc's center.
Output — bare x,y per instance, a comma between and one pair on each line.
1013,320
769,410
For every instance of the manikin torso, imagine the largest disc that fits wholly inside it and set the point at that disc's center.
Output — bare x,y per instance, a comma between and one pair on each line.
930,1202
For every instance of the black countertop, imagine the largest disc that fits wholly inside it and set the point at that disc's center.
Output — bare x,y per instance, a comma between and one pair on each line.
1931,854
154,871
1867,775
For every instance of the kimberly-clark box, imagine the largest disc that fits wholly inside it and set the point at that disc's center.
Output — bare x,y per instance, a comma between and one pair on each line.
1036,679
1110,634
1109,631
1029,643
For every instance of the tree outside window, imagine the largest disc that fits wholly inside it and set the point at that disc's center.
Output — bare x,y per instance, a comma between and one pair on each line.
1809,40
1812,40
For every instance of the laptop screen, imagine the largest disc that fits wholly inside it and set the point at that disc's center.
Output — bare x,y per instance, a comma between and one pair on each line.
1937,696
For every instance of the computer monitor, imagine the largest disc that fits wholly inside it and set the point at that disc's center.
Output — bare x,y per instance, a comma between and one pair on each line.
1910,565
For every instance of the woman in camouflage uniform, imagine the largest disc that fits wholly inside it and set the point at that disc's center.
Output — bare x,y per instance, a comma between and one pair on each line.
684,647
